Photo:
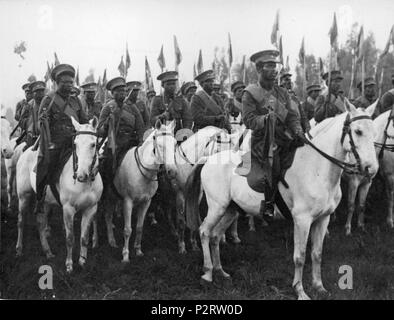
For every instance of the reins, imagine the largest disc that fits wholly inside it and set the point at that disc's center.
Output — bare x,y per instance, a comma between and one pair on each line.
384,146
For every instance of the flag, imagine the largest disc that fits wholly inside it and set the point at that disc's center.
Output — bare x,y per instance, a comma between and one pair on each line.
301,54
128,61
104,81
48,73
230,51
121,68
77,77
390,41
148,76
334,34
275,30
321,66
161,60
243,70
287,63
194,71
178,54
56,60
281,50
360,44
200,65
99,96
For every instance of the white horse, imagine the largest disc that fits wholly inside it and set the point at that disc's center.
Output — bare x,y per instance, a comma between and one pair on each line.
384,127
313,194
204,142
136,182
79,188
5,130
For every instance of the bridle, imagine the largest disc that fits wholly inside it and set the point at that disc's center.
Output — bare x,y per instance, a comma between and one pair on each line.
92,173
349,168
141,166
384,146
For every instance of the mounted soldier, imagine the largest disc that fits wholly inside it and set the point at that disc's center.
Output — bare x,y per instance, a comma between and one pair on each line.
29,118
267,110
56,128
150,94
188,90
387,100
133,89
330,103
285,82
369,97
234,105
92,108
122,124
309,104
21,104
168,107
207,107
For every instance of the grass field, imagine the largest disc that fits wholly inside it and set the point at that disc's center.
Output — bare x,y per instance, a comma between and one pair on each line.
261,266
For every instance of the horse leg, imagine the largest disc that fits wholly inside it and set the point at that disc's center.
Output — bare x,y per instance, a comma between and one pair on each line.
318,231
10,188
43,229
351,202
228,219
24,201
95,232
180,221
362,197
215,213
251,223
234,229
68,218
141,212
390,200
109,212
87,218
193,240
127,212
301,232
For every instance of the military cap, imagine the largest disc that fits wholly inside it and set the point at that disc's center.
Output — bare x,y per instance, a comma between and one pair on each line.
204,76
187,86
37,85
367,82
115,82
236,85
62,69
151,93
313,87
183,134
26,87
284,74
168,76
335,74
266,56
134,85
89,87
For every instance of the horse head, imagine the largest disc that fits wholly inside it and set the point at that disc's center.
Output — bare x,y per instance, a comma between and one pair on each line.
358,137
164,143
85,150
6,147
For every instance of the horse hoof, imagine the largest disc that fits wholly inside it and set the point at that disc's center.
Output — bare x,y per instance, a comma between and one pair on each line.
125,261
139,253
69,269
50,255
205,283
154,221
252,230
113,244
322,293
18,253
236,240
195,248
303,296
348,232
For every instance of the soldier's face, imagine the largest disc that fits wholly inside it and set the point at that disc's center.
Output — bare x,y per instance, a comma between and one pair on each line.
39,94
65,83
238,93
169,87
90,95
314,94
268,71
208,85
190,93
370,90
119,93
286,82
335,85
28,95
134,94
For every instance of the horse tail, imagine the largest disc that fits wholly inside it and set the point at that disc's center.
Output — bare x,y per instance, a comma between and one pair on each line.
192,193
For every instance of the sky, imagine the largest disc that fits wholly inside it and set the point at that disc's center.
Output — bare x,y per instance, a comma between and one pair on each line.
93,34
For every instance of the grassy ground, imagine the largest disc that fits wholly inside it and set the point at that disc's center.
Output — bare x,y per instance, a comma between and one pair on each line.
261,266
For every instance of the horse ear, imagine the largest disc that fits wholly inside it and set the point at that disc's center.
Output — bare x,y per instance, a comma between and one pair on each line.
172,125
158,124
94,122
75,123
371,109
349,106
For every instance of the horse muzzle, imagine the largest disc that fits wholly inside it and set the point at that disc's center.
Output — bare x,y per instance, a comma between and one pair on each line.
7,153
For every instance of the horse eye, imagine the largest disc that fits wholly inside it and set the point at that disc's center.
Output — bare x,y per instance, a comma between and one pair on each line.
92,145
358,132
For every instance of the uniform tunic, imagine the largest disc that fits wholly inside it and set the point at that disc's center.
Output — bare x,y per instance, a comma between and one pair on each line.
328,109
385,103
309,107
19,108
177,109
90,107
30,123
208,111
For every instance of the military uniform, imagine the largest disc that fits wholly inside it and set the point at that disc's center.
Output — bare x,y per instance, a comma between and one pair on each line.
208,110
23,103
385,103
55,112
135,86
123,125
301,111
309,104
169,108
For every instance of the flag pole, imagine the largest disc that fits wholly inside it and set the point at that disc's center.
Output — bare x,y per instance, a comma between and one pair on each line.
351,77
304,82
362,76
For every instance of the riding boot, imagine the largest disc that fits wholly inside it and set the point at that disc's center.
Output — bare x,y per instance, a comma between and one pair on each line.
39,207
267,206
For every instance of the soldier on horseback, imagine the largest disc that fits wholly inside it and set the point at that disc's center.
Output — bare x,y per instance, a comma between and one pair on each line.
268,111
21,104
234,106
122,123
133,89
56,128
91,106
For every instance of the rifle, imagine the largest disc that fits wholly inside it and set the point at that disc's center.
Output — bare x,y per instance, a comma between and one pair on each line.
16,127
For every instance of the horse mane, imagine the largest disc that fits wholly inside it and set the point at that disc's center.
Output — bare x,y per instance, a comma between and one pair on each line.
324,125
